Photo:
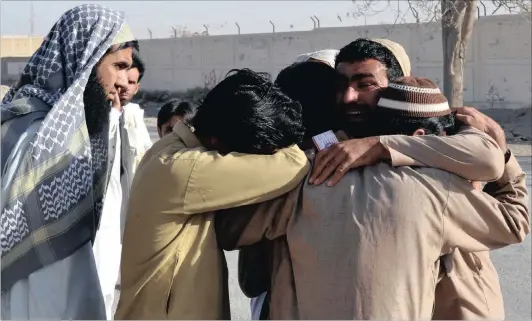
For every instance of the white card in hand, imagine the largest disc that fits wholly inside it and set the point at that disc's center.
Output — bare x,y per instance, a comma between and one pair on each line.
324,140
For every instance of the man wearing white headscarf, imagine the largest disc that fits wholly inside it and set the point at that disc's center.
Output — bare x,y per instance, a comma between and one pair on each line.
327,56
57,159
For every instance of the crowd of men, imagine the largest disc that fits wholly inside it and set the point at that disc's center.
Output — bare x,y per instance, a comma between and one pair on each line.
394,218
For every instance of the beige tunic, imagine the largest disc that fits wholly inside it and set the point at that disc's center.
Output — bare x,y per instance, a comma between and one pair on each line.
370,247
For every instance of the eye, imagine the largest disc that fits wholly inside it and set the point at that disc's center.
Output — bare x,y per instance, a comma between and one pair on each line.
366,85
122,65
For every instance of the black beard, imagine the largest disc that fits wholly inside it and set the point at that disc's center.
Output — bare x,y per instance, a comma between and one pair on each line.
97,106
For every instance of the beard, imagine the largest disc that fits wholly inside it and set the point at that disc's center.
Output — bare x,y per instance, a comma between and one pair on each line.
96,103
359,124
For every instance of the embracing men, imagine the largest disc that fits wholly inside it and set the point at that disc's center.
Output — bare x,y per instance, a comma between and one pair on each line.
173,268
339,275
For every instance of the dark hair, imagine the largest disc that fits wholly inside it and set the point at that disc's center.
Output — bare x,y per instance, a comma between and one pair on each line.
364,49
138,63
172,108
247,113
385,122
313,85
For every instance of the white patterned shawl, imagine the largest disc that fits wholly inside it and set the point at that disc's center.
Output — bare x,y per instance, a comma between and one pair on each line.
53,205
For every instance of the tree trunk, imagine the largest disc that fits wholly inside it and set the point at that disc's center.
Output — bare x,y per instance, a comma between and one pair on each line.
458,18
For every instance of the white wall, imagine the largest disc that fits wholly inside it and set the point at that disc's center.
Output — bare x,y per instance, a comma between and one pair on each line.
498,68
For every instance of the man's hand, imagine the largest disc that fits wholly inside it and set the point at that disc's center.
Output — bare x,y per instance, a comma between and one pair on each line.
472,117
115,101
341,157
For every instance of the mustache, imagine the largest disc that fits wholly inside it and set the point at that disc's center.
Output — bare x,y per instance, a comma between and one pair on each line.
358,106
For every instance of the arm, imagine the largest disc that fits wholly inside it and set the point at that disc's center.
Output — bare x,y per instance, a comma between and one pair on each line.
470,154
475,221
218,182
247,225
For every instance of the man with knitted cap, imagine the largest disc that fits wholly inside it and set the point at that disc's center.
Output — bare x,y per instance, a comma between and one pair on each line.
58,166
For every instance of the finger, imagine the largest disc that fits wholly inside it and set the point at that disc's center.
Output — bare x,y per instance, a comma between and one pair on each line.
330,168
467,119
116,101
321,160
467,111
339,173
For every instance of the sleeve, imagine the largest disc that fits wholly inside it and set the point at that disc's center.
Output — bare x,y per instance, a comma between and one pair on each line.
247,225
224,181
479,221
470,153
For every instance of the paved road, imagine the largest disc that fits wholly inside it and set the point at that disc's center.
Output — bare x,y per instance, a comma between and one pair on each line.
513,263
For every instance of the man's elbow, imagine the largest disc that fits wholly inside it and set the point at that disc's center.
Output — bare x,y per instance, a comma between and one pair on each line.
491,165
524,229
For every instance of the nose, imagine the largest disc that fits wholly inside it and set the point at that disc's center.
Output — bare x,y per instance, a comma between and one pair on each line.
121,81
350,95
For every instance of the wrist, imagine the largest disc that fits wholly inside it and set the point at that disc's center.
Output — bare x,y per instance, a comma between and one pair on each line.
383,153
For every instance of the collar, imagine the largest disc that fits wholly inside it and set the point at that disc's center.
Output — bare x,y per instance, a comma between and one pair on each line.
186,134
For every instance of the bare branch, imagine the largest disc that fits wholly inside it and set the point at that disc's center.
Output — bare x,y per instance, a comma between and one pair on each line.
414,11
423,11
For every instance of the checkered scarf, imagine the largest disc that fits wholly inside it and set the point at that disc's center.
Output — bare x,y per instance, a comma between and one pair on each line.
53,205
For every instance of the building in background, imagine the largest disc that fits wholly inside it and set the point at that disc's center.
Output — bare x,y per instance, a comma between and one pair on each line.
14,53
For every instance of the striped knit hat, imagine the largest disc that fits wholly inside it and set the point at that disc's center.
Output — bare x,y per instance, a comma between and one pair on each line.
414,97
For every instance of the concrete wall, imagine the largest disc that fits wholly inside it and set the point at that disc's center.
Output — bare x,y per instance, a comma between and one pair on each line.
14,53
498,68
19,46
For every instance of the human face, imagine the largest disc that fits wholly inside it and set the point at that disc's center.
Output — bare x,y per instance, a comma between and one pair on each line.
359,86
112,71
132,86
167,127
105,80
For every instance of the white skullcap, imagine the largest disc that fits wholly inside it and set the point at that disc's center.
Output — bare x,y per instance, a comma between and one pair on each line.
327,56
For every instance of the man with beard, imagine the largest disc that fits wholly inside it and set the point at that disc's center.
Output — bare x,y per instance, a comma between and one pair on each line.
129,134
56,165
369,247
466,290
473,154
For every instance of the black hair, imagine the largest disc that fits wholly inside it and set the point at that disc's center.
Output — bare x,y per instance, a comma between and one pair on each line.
174,107
138,63
247,113
313,85
385,122
364,49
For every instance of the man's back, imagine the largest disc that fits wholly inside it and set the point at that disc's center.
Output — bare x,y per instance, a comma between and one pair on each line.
378,227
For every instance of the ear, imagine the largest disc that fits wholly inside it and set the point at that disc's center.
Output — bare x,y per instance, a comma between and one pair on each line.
419,132
159,132
136,90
